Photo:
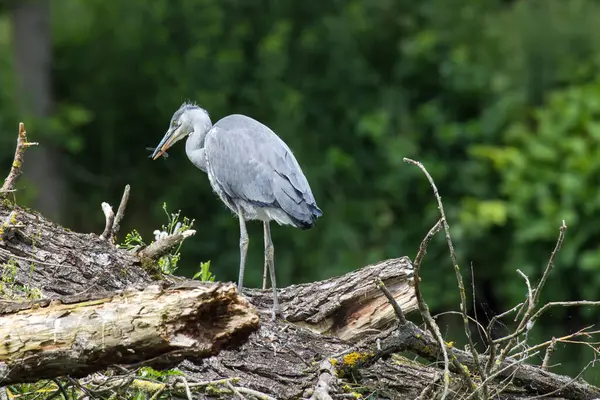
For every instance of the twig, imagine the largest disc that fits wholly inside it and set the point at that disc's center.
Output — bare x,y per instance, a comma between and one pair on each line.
459,279
491,344
188,392
397,309
326,378
235,391
480,327
546,307
564,339
255,393
528,318
549,351
473,320
61,388
162,246
157,394
424,309
423,246
110,218
208,383
566,384
550,266
428,391
530,298
120,213
15,170
494,375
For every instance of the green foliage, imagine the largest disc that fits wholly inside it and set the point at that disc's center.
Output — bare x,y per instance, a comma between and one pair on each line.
11,289
144,384
168,263
204,275
549,164
161,376
175,224
133,240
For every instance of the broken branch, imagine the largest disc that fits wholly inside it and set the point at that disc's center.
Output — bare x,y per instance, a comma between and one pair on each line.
15,170
151,327
110,218
120,213
159,248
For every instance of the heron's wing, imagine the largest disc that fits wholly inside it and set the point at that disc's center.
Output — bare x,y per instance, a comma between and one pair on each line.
250,162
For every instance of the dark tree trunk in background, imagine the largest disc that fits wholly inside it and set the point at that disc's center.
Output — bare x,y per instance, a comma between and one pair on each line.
32,49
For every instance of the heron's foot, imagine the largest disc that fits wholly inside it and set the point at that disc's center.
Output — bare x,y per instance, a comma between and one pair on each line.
276,312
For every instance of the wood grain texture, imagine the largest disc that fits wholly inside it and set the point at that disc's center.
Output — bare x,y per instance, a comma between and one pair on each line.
153,326
349,306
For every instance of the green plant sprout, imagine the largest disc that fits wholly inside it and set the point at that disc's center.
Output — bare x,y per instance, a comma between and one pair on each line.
169,262
204,275
175,224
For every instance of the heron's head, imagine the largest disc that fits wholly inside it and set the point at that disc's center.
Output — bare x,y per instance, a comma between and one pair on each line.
183,122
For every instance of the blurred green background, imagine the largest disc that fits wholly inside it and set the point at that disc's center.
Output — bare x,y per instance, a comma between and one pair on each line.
499,99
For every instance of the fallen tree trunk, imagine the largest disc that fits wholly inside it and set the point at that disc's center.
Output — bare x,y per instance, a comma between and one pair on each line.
341,335
349,307
78,335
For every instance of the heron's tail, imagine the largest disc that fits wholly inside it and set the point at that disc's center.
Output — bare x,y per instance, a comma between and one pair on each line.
307,223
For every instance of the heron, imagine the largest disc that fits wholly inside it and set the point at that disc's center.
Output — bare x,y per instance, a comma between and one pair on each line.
251,170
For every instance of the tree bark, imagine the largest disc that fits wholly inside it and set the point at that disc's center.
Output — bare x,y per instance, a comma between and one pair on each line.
78,335
339,336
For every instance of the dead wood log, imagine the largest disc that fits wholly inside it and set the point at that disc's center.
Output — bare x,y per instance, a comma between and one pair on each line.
76,336
338,319
350,307
60,262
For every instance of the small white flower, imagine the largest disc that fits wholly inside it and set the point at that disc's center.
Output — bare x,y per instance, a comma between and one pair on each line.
159,235
177,228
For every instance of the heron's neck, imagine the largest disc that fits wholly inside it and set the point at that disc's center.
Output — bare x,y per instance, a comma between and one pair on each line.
194,145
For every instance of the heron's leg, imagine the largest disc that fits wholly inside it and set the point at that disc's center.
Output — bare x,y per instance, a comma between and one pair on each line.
266,268
243,248
270,255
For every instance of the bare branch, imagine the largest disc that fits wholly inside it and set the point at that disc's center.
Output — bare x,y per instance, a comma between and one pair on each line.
459,279
235,391
326,378
15,170
529,291
549,351
566,384
397,309
529,317
110,218
162,246
424,309
120,213
550,266
514,366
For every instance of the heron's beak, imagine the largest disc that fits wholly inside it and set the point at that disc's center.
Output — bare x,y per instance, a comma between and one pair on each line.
165,143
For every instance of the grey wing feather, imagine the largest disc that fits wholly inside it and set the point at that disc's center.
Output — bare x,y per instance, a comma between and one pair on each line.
250,162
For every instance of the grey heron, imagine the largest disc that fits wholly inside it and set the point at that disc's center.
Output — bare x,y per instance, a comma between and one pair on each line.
252,171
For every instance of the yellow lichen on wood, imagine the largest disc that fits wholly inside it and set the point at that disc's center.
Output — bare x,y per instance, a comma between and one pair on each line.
351,359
